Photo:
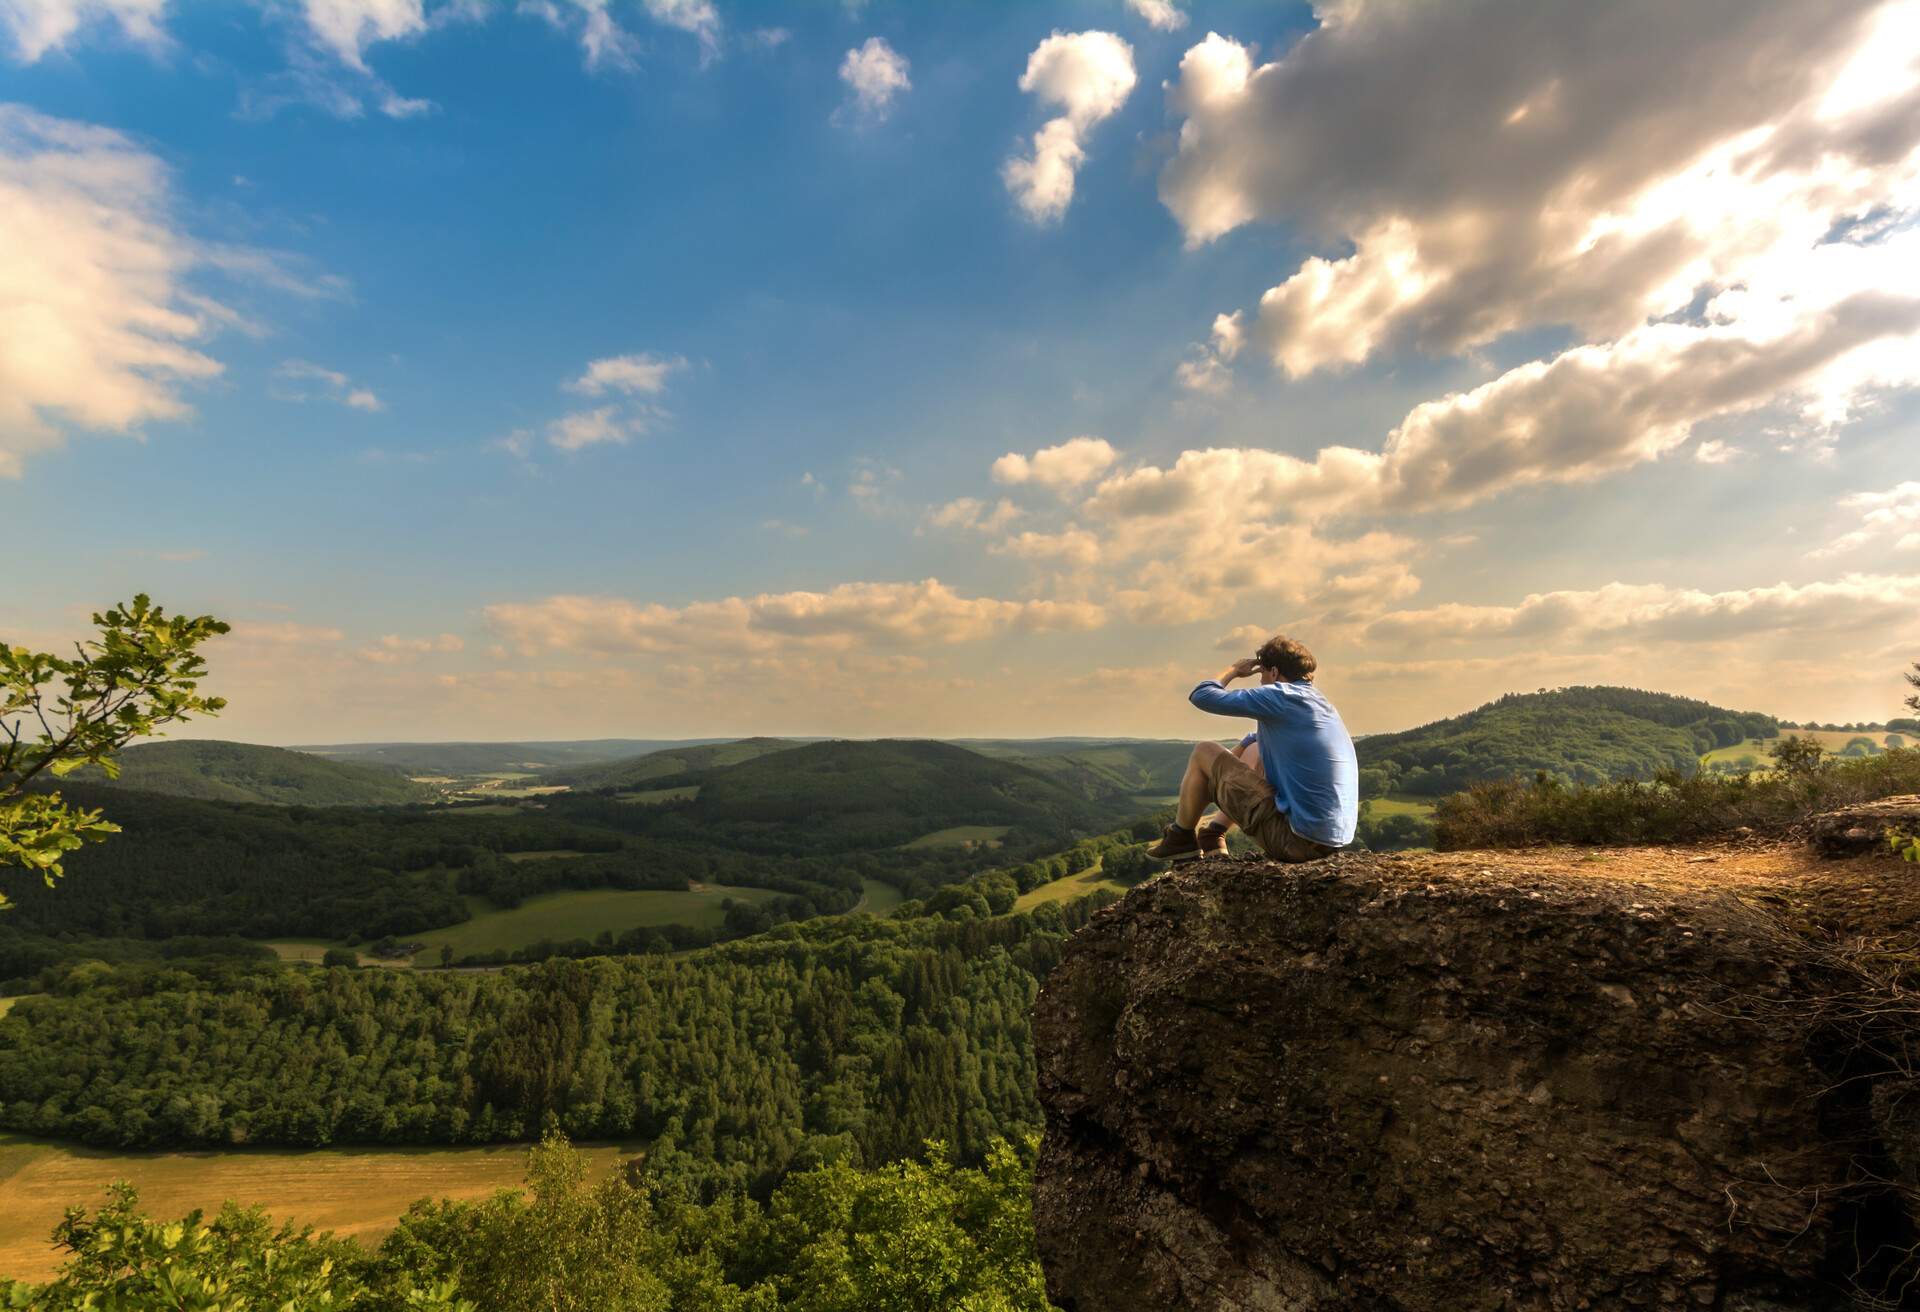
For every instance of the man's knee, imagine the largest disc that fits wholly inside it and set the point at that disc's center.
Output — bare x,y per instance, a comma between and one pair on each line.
1205,754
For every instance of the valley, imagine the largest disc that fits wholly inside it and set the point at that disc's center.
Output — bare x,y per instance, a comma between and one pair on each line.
842,936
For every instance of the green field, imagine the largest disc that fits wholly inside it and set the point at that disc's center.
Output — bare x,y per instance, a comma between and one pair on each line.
541,856
1070,889
878,898
1382,807
655,796
351,1192
961,836
6,1004
312,950
1834,740
583,914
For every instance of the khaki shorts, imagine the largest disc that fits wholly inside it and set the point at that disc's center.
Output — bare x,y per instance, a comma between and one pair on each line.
1247,799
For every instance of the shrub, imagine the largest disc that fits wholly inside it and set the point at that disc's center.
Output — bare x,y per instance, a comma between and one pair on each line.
340,957
1673,808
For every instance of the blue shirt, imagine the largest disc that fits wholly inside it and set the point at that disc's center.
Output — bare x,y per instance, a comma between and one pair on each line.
1306,750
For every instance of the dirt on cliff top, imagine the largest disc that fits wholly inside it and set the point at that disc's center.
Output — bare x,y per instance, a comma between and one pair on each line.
1875,896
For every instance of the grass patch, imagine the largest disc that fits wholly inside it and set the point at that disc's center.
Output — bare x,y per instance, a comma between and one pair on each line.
582,913
961,836
546,855
878,898
300,949
655,796
486,808
6,1004
1073,888
1418,807
353,1192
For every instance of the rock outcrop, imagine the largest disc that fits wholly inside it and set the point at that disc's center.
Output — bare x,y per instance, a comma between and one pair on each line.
1550,1080
1863,828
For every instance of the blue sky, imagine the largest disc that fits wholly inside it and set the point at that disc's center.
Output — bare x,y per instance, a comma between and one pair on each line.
1465,434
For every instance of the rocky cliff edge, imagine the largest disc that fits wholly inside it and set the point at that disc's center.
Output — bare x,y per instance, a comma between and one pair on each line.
1559,1079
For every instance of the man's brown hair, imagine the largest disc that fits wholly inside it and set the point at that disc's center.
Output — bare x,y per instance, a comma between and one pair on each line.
1287,658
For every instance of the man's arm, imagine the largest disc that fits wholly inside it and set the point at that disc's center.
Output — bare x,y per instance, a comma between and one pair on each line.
1213,695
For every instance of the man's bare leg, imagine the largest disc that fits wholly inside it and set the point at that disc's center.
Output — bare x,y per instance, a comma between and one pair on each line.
1196,786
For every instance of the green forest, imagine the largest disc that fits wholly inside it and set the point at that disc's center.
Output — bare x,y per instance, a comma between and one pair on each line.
215,771
1577,735
845,1039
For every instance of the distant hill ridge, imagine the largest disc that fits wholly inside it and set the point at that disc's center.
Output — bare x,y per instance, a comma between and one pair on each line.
651,768
1583,734
840,796
212,770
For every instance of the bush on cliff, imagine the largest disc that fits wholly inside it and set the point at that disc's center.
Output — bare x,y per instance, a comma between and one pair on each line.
1673,807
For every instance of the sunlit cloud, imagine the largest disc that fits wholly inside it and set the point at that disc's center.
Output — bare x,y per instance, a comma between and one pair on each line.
849,615
99,329
1088,76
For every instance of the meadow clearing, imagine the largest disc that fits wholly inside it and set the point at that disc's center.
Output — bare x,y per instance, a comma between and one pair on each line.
960,835
1070,888
356,1192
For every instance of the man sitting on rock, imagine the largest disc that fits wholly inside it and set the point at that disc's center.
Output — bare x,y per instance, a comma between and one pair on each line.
1293,785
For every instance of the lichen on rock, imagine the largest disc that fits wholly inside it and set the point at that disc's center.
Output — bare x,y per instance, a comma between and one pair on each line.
1543,1080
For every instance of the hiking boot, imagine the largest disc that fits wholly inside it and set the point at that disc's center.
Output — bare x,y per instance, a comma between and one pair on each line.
1212,837
1176,844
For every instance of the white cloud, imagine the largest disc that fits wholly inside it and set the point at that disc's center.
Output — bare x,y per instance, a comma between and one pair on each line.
973,513
850,616
392,649
1242,639
333,385
1071,546
875,73
642,374
1817,339
1586,165
1659,613
95,317
348,27
697,18
34,27
1891,518
1067,465
584,428
1162,15
1089,75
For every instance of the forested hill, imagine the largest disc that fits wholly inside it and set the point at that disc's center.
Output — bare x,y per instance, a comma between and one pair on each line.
215,771
481,758
1584,735
654,768
848,796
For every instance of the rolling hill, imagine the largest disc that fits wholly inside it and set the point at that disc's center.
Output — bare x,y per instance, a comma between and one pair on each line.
1096,766
215,771
483,758
849,796
1583,734
670,762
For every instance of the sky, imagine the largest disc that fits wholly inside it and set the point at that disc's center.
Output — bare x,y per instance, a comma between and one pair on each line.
660,368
